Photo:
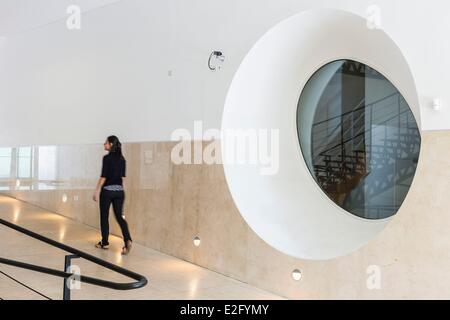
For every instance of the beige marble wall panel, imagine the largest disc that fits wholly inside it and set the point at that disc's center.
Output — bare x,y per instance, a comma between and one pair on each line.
168,205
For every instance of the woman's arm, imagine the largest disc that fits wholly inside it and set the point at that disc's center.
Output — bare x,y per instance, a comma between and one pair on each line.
100,184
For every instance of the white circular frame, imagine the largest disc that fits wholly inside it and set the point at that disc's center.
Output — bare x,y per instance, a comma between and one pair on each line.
289,210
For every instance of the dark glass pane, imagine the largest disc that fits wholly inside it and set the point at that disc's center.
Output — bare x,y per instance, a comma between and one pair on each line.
359,138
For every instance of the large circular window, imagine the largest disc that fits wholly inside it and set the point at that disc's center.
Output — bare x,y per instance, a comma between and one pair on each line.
358,134
359,138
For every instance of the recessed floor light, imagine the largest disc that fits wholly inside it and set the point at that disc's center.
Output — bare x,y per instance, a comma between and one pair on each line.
296,275
197,241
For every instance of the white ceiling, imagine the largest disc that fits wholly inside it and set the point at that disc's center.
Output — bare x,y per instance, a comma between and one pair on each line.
17,16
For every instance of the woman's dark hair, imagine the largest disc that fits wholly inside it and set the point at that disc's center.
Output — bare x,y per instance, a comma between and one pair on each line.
116,146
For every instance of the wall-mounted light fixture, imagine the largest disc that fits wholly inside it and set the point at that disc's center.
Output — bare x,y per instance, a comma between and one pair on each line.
437,104
296,275
197,241
64,198
216,60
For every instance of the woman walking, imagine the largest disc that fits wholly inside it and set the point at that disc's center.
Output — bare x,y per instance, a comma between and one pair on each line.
110,191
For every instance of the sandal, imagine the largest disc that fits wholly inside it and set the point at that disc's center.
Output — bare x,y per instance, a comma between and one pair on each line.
127,248
100,245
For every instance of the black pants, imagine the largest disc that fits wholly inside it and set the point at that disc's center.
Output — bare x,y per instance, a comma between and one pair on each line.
117,199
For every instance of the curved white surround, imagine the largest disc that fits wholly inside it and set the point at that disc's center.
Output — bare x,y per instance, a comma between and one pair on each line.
289,210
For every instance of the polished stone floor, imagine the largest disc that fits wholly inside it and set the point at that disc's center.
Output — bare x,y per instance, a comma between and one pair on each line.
169,277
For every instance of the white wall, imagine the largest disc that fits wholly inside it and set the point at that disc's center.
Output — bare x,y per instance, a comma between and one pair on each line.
61,87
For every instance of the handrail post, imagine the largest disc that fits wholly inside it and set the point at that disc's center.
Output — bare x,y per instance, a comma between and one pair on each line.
67,281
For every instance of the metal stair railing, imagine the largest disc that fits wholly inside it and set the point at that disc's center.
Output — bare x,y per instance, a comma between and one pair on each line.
140,281
334,163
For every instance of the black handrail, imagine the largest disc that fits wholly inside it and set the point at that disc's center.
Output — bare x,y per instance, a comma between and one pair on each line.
140,282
